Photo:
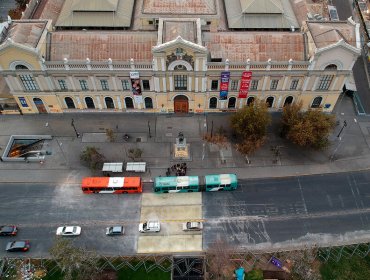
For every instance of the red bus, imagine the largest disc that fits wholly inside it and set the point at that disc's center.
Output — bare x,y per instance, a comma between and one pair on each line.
112,185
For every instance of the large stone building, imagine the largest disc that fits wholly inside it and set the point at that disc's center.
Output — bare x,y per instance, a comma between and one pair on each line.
174,56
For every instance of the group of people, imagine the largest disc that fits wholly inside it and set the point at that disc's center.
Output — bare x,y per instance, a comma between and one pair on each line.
179,169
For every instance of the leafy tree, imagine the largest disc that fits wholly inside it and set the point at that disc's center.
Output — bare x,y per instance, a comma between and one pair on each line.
15,13
92,157
135,153
249,125
110,134
74,262
218,260
306,129
255,274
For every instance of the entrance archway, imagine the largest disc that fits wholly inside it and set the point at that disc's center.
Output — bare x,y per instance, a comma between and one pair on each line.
181,104
40,105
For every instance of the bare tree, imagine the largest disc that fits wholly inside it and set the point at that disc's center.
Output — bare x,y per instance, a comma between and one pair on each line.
92,157
218,257
74,262
305,266
135,153
110,134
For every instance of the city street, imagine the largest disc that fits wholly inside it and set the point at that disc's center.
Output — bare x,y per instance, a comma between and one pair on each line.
39,209
261,214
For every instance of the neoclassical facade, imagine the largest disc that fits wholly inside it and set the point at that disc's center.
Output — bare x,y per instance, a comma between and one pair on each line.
181,65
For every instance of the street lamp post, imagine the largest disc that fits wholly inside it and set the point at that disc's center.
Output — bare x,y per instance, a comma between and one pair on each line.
339,142
58,143
73,125
340,132
150,135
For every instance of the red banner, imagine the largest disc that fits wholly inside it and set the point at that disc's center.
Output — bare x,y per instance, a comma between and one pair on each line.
245,83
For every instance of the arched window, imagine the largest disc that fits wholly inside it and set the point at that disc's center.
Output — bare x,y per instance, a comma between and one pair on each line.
250,100
231,104
129,103
89,103
331,67
288,100
148,103
270,101
213,103
316,102
109,102
21,67
69,102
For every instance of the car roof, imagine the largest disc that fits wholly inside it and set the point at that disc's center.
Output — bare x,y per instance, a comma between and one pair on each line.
18,243
117,228
69,228
6,228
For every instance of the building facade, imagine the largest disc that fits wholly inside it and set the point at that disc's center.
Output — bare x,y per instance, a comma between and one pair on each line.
173,62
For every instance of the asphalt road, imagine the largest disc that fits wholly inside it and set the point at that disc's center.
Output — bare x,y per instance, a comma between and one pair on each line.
263,213
291,211
39,209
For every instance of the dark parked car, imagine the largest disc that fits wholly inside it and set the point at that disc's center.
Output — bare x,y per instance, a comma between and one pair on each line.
18,246
8,230
115,230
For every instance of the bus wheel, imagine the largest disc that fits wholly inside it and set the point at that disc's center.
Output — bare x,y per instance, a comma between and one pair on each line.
125,192
156,189
165,192
190,191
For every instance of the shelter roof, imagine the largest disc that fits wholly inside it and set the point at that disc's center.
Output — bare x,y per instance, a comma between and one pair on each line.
100,46
256,46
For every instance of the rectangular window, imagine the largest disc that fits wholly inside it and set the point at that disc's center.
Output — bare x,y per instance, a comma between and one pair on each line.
254,84
83,84
181,82
146,85
234,84
125,84
104,84
214,85
294,84
29,83
274,84
62,84
325,82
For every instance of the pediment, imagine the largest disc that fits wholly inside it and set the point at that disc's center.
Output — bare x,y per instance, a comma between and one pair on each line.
179,43
340,44
10,44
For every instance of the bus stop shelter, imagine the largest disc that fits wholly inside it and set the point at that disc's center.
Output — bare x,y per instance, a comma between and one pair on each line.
114,167
136,166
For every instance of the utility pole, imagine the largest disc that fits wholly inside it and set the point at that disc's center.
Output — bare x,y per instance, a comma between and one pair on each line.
73,125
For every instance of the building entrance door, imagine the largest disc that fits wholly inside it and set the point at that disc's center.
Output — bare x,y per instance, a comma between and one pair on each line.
40,106
181,104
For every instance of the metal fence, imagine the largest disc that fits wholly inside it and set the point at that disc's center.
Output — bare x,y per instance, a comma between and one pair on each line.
181,267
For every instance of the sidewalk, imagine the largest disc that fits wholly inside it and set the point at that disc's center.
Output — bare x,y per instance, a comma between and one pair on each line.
349,152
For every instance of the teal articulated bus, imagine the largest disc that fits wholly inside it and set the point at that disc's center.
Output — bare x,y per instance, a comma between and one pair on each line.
209,183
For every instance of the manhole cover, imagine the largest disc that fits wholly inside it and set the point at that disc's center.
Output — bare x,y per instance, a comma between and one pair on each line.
138,139
169,127
169,134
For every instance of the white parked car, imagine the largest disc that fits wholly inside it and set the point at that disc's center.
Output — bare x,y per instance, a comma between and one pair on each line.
69,231
192,226
150,226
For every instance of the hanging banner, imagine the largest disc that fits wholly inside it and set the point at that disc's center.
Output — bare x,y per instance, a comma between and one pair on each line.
245,83
136,87
23,101
224,86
